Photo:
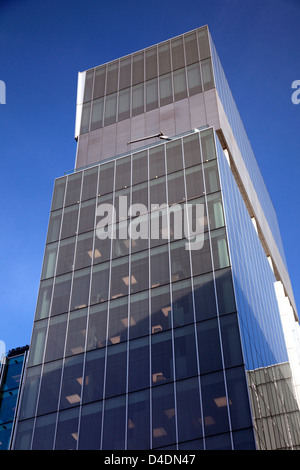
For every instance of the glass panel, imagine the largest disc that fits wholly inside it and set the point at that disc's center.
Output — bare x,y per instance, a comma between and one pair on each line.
215,211
188,410
116,370
30,392
50,386
180,261
177,53
67,430
69,225
106,178
194,79
101,250
164,58
220,249
137,99
151,63
61,294
163,416
124,104
43,438
73,189
65,261
85,118
119,277
160,309
121,204
58,193
97,326
201,259
138,68
90,427
81,289
23,437
176,189
118,321
56,338
138,424
182,303
207,74
157,192
191,146
112,77
211,176
203,43
231,341
54,226
84,250
110,109
97,114
44,299
49,261
125,73
99,85
214,403
100,280
120,244
94,376
139,167
185,353
72,382
210,357
87,216
88,88
194,182
114,424
139,315
76,332
208,145
90,182
151,94
180,90
222,442
238,397
139,365
159,260
225,292
204,295
191,48
165,87
139,278
174,156
123,173
161,358
157,161
38,342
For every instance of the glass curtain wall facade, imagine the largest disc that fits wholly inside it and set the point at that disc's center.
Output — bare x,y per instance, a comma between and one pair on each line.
141,342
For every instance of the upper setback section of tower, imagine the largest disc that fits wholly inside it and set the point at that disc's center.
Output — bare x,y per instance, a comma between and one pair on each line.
171,88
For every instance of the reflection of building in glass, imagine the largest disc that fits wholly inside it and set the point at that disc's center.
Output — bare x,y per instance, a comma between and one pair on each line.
141,343
11,376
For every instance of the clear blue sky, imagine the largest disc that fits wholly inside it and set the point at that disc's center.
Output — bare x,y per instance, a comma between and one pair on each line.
43,45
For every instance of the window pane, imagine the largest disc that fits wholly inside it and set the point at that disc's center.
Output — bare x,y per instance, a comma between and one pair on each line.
139,365
110,109
159,259
165,87
139,167
58,193
49,261
124,104
191,147
225,292
238,397
84,250
157,161
65,262
94,376
179,79
139,279
201,259
177,53
204,294
185,352
125,73
54,226
38,342
73,188
90,427
138,425
194,182
151,63
137,99
188,410
163,416
139,315
151,94
160,309
50,385
112,77
182,303
56,338
72,382
85,118
69,225
211,176
158,194
44,432
231,341
106,178
209,346
61,294
164,58
44,299
220,249
180,261
90,182
215,211
101,250
123,173
30,392
97,326
174,156
97,114
99,85
161,358
100,280
116,370
119,277
87,216
67,430
138,68
81,289
207,74
114,424
214,402
76,332
208,145
203,43
176,189
118,321
194,79
191,48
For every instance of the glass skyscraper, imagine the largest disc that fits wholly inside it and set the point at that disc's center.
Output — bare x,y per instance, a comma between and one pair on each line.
141,341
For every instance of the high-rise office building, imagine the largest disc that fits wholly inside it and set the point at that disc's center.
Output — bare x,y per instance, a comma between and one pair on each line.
142,339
